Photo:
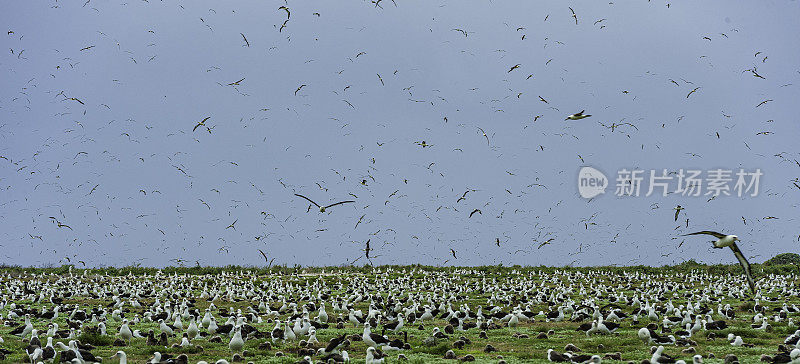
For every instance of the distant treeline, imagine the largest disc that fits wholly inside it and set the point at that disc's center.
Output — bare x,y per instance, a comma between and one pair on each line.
735,269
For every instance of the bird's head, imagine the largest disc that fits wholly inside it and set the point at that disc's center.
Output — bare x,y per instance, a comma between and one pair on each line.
735,238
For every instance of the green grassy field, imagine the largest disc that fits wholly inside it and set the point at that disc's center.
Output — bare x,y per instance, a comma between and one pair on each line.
472,286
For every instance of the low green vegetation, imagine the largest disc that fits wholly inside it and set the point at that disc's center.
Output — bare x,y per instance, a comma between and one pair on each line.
474,287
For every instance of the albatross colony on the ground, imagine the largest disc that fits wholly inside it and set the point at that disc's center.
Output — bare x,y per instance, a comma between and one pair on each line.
394,314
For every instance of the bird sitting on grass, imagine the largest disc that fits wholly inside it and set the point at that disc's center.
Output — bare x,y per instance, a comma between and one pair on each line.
236,343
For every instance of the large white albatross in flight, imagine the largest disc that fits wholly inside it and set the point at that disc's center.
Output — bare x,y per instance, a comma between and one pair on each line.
730,241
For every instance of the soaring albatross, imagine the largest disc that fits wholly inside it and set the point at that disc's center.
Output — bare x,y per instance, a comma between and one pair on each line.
323,208
730,241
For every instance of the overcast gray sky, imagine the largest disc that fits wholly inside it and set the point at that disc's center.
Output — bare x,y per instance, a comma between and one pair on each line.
99,101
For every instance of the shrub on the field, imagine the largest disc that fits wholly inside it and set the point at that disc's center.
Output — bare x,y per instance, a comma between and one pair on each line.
439,349
96,339
785,258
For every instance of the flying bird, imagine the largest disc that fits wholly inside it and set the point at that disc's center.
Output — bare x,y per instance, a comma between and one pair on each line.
545,243
730,241
691,92
474,211
323,208
764,102
202,123
269,262
298,89
514,67
245,40
577,116
60,225
288,13
678,211
574,16
462,31
484,134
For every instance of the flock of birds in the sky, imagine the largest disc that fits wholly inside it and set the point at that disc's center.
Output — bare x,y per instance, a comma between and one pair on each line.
696,315
210,205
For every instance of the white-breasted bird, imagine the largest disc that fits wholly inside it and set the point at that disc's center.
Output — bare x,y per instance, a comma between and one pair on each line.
577,116
730,241
236,343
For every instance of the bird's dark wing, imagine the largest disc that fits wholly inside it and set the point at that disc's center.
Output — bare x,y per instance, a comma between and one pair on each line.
745,265
676,214
338,203
264,255
333,344
309,200
706,232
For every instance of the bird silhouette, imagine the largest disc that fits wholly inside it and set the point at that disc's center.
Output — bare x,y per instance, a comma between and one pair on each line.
323,208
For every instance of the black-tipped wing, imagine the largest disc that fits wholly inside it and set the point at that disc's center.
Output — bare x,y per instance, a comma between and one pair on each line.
264,255
201,123
309,200
706,232
745,265
677,211
338,203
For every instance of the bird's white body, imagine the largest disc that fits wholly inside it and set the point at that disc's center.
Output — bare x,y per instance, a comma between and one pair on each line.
370,359
795,356
323,316
727,241
236,343
164,328
644,334
578,116
123,358
193,331
657,354
125,332
513,322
